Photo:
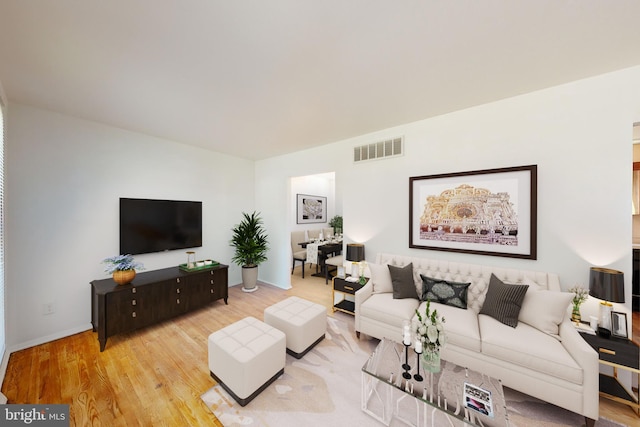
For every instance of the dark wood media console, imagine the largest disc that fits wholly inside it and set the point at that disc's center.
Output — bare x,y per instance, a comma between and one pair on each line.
153,297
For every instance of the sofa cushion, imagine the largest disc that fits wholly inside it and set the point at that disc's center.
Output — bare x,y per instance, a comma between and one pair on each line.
503,302
402,281
461,326
526,346
380,278
383,308
444,292
545,310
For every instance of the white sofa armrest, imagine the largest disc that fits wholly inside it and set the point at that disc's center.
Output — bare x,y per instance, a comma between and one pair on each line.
587,358
361,296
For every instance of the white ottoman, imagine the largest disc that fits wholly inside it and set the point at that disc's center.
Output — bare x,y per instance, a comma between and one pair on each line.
303,322
245,357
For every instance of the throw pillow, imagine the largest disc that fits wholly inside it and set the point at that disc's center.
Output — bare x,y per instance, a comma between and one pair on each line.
444,292
402,282
503,302
380,278
545,310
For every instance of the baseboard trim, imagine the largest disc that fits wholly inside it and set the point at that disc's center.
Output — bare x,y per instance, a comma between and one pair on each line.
49,338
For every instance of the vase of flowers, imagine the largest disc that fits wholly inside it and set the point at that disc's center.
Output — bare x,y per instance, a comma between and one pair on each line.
430,331
122,268
580,295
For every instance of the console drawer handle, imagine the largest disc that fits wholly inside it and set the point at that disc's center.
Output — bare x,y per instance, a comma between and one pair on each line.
349,288
607,351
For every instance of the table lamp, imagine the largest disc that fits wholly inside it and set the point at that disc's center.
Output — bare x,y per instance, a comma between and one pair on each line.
607,285
355,254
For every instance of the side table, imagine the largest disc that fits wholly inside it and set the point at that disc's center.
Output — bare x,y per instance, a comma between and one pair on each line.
342,287
619,354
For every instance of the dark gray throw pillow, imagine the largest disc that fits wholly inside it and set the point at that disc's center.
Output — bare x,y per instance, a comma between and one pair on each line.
503,301
402,282
444,292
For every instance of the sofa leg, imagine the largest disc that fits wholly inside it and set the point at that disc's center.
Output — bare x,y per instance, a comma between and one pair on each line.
358,334
589,422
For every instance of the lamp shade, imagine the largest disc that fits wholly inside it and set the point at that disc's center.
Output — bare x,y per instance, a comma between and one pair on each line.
355,252
606,284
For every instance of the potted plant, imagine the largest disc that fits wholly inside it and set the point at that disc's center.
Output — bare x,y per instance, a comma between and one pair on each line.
250,242
122,268
336,223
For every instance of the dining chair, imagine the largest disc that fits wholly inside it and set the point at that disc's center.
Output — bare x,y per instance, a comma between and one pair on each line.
334,261
298,253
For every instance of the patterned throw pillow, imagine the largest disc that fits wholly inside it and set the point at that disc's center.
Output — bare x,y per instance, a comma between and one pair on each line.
444,292
503,302
402,282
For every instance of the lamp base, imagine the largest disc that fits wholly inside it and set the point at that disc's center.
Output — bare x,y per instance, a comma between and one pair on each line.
605,315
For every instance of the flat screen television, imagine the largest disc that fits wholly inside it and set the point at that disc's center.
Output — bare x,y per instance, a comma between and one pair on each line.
148,226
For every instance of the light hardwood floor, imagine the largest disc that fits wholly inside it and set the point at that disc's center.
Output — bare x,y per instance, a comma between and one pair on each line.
155,376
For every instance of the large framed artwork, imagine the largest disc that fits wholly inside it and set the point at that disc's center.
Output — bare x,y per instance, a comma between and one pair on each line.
311,209
484,212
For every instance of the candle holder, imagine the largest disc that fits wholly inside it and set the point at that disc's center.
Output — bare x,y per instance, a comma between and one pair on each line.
406,375
417,376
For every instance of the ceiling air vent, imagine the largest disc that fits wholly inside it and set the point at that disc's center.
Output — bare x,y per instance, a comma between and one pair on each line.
379,150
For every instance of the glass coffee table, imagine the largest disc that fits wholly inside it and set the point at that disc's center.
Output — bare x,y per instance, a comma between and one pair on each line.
455,396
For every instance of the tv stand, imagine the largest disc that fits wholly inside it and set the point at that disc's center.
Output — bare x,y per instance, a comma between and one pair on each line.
153,297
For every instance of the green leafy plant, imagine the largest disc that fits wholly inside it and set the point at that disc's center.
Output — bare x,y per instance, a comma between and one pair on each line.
121,263
336,223
250,241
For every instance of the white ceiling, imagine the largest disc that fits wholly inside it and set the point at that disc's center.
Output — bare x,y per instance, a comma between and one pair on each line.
259,78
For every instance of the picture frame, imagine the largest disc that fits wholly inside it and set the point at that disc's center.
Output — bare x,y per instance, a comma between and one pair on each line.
483,212
311,209
619,325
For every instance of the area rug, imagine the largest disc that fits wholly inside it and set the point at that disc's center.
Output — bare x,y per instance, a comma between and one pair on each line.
323,389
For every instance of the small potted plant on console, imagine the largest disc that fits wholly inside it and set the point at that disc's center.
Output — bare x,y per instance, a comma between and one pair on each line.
122,268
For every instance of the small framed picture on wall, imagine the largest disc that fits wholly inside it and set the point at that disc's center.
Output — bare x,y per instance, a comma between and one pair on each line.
311,209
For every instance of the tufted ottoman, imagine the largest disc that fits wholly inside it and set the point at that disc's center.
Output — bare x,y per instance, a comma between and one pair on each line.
245,357
303,322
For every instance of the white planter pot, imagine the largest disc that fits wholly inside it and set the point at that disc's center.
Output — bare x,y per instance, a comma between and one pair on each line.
249,279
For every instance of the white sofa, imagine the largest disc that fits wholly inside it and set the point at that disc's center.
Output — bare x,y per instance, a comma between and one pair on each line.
560,369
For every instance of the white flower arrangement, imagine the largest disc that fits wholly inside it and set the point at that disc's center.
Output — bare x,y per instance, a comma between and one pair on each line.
430,330
580,295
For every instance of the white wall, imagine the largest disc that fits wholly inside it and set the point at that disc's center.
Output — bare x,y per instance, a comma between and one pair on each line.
578,134
64,180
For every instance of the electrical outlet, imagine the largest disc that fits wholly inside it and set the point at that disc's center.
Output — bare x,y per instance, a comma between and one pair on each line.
48,308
